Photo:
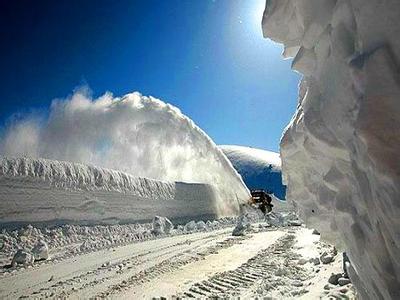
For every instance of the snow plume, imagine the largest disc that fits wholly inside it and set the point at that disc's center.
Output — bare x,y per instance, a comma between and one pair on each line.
139,135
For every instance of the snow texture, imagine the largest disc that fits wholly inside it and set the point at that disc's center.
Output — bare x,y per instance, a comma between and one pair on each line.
40,251
138,137
41,190
22,257
135,134
340,150
161,225
260,169
243,225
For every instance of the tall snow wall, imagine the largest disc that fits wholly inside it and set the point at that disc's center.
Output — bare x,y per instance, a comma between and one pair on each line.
138,135
340,150
49,191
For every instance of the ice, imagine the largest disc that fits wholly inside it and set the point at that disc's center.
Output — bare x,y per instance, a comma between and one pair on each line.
340,151
260,169
242,226
136,135
41,250
326,258
201,226
22,257
305,61
343,281
162,225
190,226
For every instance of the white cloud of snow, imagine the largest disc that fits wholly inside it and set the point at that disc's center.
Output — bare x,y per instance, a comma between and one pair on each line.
136,134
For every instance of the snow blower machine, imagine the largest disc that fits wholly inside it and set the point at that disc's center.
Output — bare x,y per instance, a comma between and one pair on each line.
262,200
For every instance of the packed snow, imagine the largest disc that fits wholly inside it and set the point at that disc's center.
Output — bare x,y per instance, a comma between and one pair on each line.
202,258
260,169
340,151
137,135
41,190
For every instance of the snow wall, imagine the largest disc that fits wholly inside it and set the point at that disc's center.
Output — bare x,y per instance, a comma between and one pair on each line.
48,191
138,135
260,169
340,150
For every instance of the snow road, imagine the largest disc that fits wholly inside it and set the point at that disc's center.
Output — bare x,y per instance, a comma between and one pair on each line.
267,262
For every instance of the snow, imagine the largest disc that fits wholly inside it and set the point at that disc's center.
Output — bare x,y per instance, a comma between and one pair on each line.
161,225
22,257
260,169
134,134
131,260
41,250
340,151
39,190
190,226
242,226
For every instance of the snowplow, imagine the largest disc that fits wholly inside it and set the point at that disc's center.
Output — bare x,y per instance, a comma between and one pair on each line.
262,200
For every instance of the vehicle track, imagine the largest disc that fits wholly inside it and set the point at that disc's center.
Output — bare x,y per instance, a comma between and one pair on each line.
267,263
107,271
272,269
174,262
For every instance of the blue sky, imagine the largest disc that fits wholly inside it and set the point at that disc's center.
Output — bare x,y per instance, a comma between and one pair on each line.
206,57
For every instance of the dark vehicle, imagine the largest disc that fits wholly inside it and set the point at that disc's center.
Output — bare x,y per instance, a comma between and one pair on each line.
263,200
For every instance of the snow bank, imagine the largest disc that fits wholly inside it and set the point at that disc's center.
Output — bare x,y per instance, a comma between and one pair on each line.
22,257
242,226
41,190
340,151
161,225
40,251
260,169
138,135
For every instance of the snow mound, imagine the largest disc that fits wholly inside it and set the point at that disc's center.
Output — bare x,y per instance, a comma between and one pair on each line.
190,226
134,134
22,257
260,169
161,225
243,225
340,150
40,251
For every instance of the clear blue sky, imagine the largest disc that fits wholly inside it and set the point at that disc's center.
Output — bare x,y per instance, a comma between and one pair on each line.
206,57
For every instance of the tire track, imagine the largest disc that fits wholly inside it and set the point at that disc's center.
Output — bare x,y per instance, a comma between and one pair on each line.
107,277
171,264
273,269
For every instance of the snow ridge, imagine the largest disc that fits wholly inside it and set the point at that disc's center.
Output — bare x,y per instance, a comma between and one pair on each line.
56,192
76,176
260,169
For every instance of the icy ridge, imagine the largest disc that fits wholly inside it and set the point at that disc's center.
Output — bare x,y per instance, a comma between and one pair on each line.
55,192
340,151
68,175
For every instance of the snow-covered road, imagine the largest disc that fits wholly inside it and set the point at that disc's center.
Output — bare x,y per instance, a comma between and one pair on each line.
267,262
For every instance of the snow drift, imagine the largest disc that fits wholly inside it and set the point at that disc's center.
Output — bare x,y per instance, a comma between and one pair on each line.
134,135
260,169
40,190
340,151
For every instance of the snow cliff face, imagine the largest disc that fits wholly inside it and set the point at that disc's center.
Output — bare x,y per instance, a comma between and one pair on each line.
41,190
260,169
340,151
135,134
